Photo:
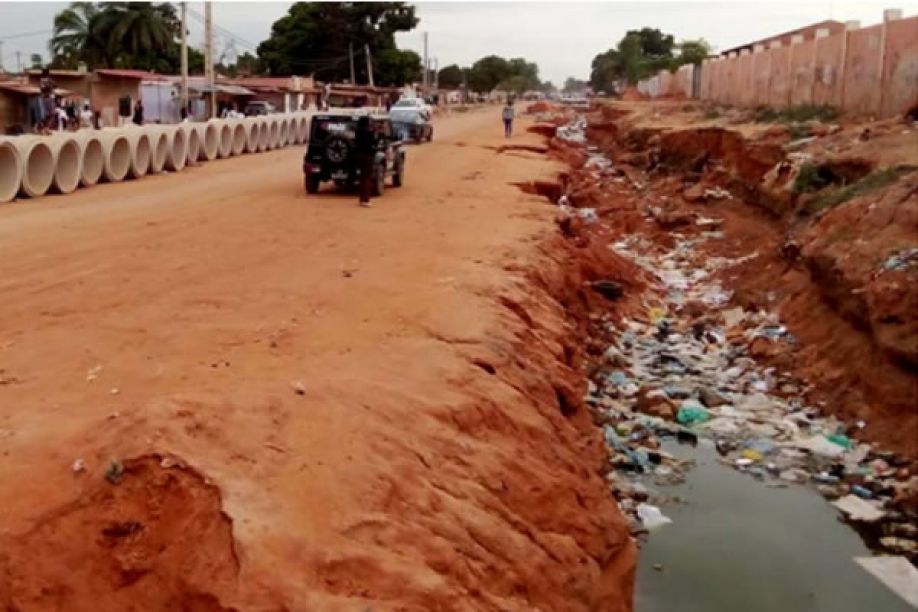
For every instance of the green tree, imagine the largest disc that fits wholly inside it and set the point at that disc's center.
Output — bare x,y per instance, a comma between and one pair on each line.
524,76
314,38
450,77
130,34
638,54
693,51
79,35
486,73
248,65
394,67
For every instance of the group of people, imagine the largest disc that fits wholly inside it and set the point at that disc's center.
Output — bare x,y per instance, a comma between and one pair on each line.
51,113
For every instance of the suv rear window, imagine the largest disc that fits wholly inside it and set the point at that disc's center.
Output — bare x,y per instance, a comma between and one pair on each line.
323,127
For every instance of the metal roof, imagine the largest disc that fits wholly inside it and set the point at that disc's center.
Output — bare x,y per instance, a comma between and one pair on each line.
233,90
125,73
31,90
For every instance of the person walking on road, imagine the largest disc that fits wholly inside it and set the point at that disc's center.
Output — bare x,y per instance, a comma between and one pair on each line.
365,150
508,115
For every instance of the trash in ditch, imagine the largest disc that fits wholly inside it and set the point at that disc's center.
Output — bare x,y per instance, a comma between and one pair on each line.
652,517
856,509
667,374
901,260
692,412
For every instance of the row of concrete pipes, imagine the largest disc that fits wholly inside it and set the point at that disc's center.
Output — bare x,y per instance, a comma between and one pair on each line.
31,166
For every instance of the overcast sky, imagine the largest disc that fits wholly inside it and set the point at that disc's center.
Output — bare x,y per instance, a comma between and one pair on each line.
561,37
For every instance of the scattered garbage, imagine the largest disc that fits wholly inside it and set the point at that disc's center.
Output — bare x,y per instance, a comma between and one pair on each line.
673,374
93,373
652,517
692,412
901,260
79,466
857,509
575,131
717,193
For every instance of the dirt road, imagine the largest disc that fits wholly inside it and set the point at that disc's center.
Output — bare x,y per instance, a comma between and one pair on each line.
304,405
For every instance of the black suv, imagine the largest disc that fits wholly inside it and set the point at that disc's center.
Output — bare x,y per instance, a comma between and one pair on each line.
331,156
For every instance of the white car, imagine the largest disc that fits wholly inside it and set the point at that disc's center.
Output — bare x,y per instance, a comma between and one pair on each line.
417,104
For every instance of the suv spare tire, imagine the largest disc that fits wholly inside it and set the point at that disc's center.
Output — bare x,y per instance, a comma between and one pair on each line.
337,150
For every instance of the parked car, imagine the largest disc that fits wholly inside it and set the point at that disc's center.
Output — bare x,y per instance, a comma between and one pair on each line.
255,108
414,103
410,121
331,155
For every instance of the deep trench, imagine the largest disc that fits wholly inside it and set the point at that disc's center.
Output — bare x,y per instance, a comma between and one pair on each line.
742,536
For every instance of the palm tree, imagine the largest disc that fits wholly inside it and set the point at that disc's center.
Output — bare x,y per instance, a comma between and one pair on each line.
134,34
139,29
78,36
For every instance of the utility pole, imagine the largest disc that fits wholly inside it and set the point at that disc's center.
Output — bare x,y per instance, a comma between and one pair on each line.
436,74
209,58
350,53
426,65
18,61
366,48
1,56
184,57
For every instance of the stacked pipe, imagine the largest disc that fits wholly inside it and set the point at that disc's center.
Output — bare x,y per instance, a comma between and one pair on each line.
31,166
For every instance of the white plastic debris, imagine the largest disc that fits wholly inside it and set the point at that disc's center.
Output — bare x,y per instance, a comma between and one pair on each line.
857,509
79,466
652,517
896,573
818,445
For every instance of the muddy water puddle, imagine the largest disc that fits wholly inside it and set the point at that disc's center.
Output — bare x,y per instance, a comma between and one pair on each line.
736,544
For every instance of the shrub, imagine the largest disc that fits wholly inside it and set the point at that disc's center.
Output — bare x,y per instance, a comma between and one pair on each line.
796,114
871,182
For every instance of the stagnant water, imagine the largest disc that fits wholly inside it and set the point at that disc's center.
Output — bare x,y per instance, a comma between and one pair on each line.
739,546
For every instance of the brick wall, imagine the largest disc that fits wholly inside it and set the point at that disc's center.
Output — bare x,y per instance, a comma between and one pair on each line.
863,71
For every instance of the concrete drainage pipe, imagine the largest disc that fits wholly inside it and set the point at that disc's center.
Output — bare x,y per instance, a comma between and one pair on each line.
192,143
177,154
37,164
251,135
295,129
303,132
226,139
264,134
273,133
210,140
239,136
10,171
91,157
283,133
116,154
141,152
159,149
67,162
